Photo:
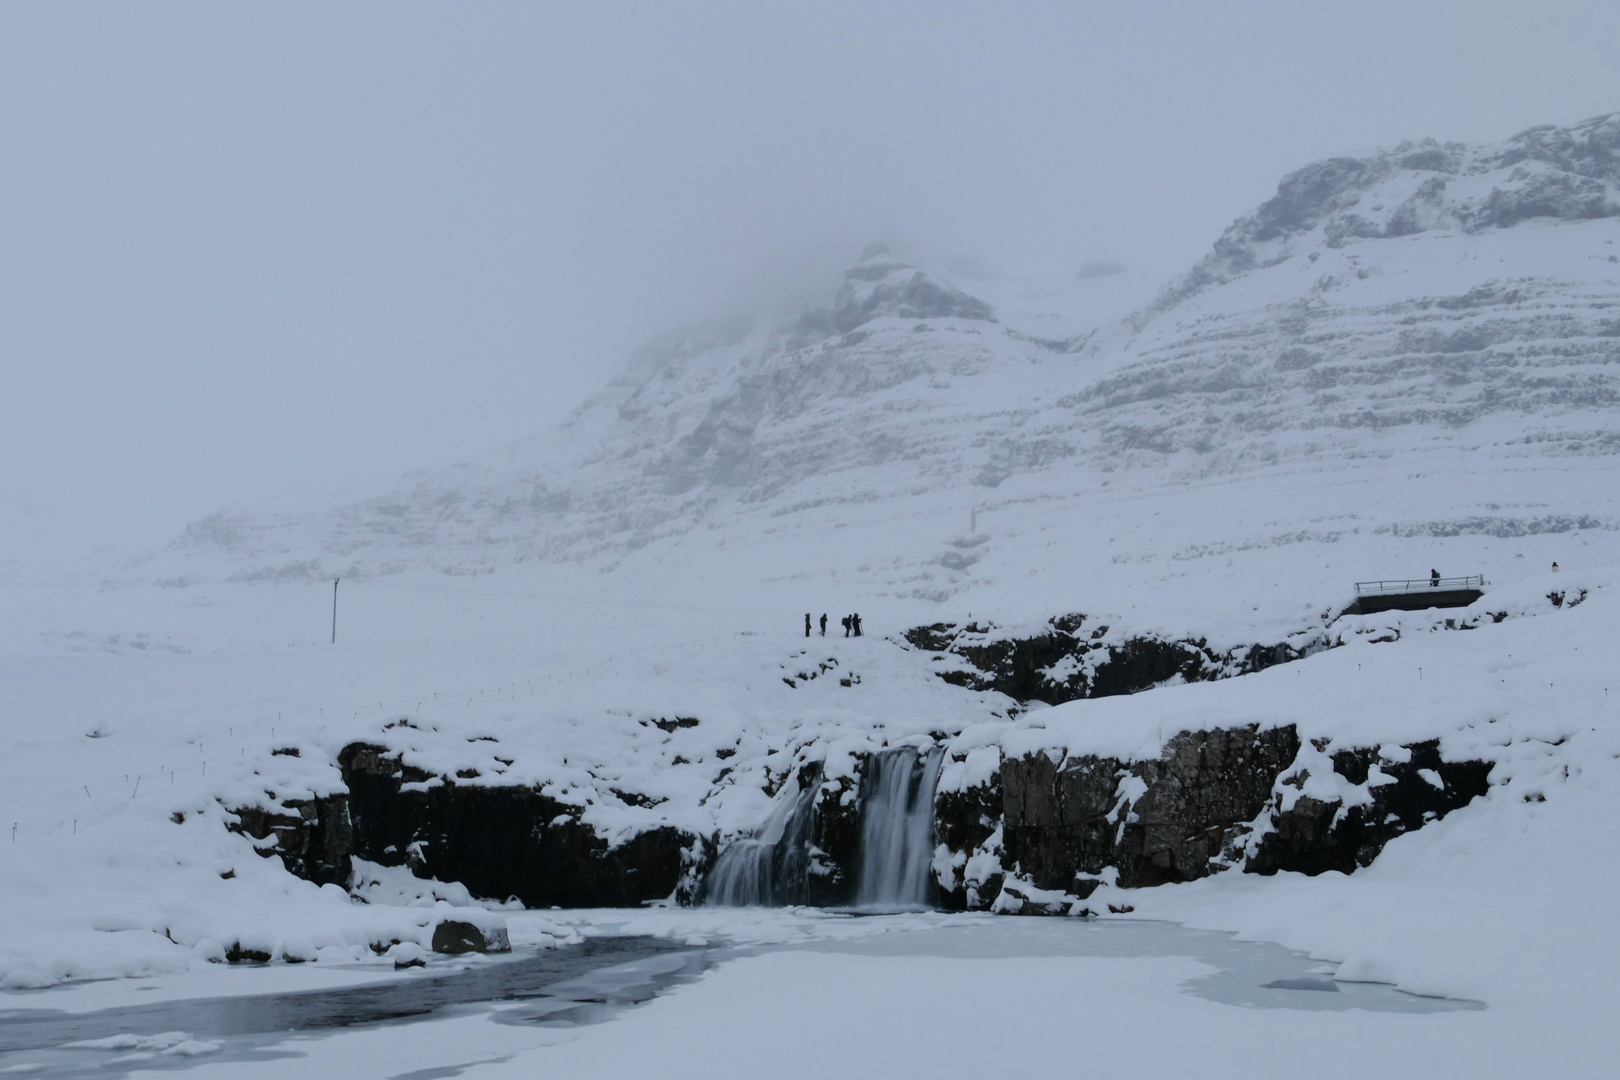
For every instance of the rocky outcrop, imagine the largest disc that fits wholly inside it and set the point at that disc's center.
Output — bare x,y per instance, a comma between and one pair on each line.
968,824
1414,786
312,836
500,842
836,840
503,842
1040,834
1069,660
883,286
455,937
1060,825
1214,800
1155,821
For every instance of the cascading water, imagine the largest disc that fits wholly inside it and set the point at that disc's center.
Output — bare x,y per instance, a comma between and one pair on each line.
767,870
891,858
897,828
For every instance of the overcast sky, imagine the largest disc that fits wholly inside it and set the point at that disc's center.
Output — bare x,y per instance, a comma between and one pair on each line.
251,254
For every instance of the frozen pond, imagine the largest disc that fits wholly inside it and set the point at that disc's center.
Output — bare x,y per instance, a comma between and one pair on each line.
593,982
1256,974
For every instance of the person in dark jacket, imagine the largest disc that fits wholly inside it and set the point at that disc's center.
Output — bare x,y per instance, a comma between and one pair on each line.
807,624
1434,579
823,624
846,625
856,619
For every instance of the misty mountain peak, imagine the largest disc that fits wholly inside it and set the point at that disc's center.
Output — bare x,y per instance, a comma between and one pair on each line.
1548,173
1406,300
880,285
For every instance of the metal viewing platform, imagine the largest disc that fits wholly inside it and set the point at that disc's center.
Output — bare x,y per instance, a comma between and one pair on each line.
1418,594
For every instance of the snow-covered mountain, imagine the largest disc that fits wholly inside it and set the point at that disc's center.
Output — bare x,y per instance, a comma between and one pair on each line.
1423,343
592,640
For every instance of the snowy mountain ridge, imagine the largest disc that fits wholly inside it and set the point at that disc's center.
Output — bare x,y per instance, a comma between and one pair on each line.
1399,362
1452,299
716,413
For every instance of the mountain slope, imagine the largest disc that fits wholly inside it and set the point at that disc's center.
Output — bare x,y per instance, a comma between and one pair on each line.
1417,351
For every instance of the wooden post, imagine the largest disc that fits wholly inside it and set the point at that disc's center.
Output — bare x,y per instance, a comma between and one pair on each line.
334,609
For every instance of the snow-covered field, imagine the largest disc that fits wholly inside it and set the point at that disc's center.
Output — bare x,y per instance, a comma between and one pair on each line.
1335,401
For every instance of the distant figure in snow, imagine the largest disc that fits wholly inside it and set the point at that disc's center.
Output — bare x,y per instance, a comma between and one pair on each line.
1555,568
807,624
823,624
846,625
856,620
1434,579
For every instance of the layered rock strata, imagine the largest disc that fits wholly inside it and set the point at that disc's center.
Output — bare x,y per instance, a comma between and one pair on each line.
1240,798
1041,835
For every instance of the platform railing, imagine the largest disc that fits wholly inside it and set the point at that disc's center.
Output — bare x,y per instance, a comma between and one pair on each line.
1415,585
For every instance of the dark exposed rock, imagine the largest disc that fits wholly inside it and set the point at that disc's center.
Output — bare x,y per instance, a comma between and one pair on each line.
884,286
1213,800
453,936
1306,196
237,955
313,837
502,842
965,822
837,839
1080,817
1310,838
1066,663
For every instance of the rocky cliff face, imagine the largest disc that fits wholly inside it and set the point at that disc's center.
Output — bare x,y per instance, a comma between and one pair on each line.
501,842
504,842
1154,822
513,842
312,836
1070,660
1214,800
1039,836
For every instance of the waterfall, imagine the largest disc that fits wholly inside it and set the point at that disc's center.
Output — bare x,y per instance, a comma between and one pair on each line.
896,846
768,870
897,828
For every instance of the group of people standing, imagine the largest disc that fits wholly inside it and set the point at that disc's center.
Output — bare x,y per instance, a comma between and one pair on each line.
852,625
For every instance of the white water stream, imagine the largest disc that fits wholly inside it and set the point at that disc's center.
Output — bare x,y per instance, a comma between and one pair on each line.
768,870
896,847
897,829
